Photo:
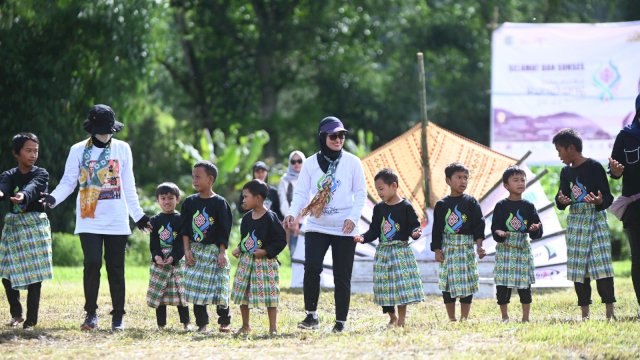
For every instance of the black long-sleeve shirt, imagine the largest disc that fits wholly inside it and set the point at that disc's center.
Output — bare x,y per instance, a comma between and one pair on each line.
166,228
456,215
265,233
626,150
392,222
31,184
588,177
206,221
515,216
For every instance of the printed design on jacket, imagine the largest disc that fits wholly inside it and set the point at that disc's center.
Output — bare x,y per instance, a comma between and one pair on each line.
166,235
516,223
389,228
454,221
250,243
200,224
578,191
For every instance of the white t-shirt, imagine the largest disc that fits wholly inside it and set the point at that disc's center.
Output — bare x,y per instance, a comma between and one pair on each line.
347,196
118,198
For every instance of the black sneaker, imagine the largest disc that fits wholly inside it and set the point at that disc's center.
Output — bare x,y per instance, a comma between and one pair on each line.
338,327
117,324
90,322
309,323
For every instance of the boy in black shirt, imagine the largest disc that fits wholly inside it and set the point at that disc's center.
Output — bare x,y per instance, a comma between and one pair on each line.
257,282
513,219
206,224
165,279
584,186
457,224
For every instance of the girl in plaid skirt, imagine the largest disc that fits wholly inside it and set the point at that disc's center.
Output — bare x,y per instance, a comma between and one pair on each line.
457,224
396,278
256,282
25,246
165,274
514,219
584,186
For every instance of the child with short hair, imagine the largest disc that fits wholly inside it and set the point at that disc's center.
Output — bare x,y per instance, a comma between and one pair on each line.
257,282
206,224
457,223
396,278
25,246
165,274
513,219
584,187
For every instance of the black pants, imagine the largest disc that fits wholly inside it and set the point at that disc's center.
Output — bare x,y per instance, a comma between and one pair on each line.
202,316
632,228
605,290
114,249
33,301
503,294
343,249
446,296
161,314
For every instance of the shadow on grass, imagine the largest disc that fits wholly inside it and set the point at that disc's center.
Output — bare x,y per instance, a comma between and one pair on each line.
7,336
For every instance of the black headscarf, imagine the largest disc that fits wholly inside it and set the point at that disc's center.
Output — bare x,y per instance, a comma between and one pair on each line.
324,149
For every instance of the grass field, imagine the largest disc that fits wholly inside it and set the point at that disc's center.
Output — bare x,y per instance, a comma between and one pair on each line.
553,333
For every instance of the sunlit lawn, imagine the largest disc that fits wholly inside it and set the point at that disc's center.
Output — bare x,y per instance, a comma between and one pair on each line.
553,333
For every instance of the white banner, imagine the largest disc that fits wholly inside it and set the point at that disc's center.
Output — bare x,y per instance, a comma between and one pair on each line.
546,77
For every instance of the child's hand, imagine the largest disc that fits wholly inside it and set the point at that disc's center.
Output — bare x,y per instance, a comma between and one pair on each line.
480,251
358,238
288,222
439,256
222,259
562,199
535,227
17,198
260,253
169,260
502,234
616,168
158,260
236,252
593,199
188,256
416,233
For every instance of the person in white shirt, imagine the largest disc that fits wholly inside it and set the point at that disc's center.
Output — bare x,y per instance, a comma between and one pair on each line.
285,194
103,168
334,181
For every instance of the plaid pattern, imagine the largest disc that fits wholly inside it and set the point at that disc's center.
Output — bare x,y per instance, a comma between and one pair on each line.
205,283
514,262
396,278
588,243
459,271
257,282
25,249
165,284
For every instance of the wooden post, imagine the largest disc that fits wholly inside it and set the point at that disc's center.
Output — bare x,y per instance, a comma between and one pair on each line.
424,120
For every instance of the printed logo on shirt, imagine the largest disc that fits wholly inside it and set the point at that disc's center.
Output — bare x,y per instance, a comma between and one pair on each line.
250,243
389,228
578,191
201,221
110,178
167,235
454,221
18,208
334,185
516,223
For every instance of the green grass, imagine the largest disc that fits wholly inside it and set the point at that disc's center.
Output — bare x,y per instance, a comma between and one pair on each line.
553,333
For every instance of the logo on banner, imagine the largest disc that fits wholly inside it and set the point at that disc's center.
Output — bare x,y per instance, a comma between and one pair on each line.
606,79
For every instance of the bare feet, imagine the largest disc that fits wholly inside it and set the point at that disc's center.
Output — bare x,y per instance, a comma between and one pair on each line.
245,330
393,320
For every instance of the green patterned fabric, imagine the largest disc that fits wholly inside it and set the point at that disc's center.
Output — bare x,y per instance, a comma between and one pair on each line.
257,282
396,278
165,284
25,249
588,243
459,271
514,262
205,283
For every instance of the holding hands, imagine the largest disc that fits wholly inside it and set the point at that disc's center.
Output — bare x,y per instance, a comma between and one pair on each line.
358,238
47,200
416,233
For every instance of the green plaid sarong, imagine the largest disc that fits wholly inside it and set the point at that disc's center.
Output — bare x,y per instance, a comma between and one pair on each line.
257,282
165,284
514,262
25,249
459,271
205,283
588,244
396,278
